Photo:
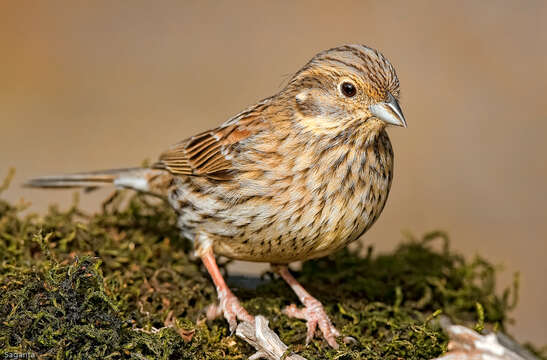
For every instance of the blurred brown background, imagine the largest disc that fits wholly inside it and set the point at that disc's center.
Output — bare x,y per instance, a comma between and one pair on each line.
93,85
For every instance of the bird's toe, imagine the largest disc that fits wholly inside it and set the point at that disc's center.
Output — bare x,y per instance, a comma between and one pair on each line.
315,315
233,311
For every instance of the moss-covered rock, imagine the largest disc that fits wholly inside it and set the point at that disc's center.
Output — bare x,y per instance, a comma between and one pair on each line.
120,285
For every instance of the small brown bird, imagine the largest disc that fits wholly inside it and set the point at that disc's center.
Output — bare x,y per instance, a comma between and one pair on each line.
297,176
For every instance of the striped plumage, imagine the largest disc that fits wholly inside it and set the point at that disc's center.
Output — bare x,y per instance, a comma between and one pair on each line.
296,176
283,204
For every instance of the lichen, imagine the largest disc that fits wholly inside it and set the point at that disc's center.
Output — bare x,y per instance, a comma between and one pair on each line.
121,284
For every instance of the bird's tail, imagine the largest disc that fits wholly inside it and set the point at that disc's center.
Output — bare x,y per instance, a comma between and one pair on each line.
147,180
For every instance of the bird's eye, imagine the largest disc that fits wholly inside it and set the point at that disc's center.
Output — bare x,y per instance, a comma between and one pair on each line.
348,89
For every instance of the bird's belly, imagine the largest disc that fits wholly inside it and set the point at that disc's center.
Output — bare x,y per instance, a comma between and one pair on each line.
280,235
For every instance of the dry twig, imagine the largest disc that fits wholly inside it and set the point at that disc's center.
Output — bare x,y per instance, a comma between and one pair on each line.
264,340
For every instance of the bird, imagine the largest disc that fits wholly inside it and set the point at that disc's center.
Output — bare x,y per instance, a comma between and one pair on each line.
297,176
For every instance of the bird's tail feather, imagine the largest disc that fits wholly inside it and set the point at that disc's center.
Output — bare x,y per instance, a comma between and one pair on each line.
141,179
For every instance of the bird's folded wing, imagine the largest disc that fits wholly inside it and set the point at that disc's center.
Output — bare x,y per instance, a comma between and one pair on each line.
210,153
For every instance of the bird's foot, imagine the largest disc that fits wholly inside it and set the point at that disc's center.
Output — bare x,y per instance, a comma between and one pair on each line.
228,303
315,315
230,307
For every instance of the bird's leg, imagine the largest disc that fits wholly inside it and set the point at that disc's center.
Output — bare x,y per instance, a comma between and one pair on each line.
257,334
313,311
229,304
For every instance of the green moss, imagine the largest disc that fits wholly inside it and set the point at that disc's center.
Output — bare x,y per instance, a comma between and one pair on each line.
120,285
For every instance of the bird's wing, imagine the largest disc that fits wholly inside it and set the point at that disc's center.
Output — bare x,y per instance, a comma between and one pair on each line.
210,153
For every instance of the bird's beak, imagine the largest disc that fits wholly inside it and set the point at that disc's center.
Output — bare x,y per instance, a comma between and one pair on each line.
389,112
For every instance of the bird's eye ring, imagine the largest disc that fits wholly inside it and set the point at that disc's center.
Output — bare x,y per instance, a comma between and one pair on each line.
348,89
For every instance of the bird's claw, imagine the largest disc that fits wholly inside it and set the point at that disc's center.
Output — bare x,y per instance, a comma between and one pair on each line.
232,310
315,315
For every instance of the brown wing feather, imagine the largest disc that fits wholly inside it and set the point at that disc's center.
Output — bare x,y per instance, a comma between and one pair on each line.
198,155
209,153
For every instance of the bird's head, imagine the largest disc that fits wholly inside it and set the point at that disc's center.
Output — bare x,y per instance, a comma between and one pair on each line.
351,85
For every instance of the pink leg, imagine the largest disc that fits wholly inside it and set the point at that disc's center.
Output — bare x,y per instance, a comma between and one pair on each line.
313,311
229,304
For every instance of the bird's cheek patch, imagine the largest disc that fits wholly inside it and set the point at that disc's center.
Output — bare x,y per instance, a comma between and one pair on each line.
316,113
306,104
313,103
